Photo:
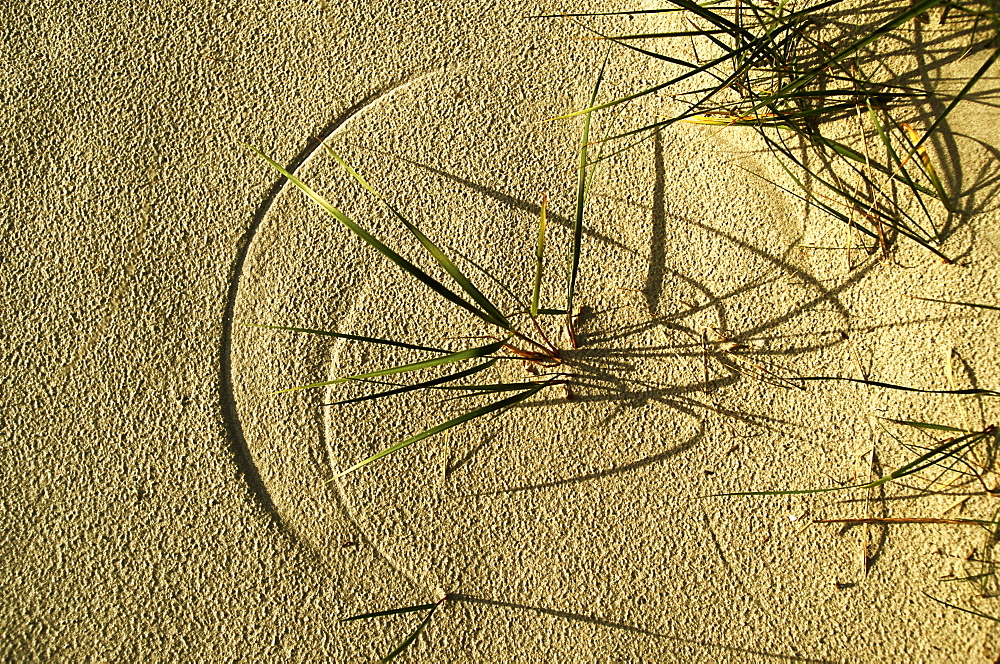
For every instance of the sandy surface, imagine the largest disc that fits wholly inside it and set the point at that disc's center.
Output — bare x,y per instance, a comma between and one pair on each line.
159,505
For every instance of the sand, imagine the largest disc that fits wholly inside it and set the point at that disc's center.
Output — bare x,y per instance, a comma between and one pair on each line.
159,504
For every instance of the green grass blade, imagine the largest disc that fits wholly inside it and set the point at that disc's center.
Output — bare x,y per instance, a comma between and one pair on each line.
849,199
705,68
948,449
757,45
875,383
465,417
954,102
581,196
353,337
408,641
390,612
377,244
480,390
718,20
420,386
808,198
500,387
439,256
664,35
467,354
539,262
623,42
928,168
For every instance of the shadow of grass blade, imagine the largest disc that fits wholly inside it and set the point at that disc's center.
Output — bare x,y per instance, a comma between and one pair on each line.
581,196
904,388
420,386
352,337
467,354
465,417
439,256
377,244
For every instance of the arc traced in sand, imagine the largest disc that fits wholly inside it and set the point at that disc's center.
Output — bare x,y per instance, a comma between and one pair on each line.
242,454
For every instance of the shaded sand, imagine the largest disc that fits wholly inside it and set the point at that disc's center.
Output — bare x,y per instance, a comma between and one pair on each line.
160,505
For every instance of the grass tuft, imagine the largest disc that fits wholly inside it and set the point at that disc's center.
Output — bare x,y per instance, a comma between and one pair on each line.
531,346
797,80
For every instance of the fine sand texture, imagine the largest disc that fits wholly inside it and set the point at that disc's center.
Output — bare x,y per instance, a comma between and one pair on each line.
161,504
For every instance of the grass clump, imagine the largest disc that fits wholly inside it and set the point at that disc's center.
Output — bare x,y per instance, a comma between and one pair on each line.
508,340
809,78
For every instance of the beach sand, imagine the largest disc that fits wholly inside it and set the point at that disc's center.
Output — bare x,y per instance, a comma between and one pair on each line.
161,505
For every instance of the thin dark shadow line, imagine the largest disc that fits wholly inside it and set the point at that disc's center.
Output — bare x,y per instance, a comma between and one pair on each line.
604,622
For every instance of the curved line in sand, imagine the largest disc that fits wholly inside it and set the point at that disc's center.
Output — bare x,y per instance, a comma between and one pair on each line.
227,399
